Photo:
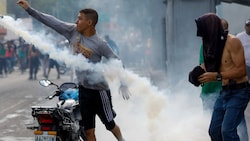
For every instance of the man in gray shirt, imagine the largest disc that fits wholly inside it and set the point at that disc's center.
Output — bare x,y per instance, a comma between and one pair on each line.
94,96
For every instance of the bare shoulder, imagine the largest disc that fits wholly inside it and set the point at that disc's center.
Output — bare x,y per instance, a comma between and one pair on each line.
233,43
232,38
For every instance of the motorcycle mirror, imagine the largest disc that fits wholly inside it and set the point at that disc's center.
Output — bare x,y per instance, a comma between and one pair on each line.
45,82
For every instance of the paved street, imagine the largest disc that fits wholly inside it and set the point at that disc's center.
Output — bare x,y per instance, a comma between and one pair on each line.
18,94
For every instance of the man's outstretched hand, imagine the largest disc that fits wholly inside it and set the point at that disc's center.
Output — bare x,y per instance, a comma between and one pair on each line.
23,3
123,90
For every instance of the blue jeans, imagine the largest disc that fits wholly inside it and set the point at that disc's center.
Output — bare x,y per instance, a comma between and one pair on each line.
228,113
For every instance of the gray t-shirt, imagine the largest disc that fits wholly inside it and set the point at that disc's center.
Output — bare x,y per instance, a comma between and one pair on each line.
94,47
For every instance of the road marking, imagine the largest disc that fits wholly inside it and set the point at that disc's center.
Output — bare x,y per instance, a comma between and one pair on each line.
13,106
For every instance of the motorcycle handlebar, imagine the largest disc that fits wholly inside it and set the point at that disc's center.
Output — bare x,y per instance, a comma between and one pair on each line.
56,93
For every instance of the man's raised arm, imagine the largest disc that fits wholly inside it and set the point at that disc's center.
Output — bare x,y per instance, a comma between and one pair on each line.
23,3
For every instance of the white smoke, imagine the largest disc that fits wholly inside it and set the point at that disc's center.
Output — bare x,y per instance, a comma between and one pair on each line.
151,113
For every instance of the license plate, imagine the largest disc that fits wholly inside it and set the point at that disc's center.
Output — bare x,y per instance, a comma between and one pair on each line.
45,138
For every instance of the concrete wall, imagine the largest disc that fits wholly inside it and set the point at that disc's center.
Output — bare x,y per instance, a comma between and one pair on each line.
181,40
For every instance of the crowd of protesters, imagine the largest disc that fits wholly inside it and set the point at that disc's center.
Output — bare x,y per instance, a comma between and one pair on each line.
17,55
9,52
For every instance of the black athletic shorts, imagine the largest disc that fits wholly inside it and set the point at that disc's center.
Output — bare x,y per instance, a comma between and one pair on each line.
95,102
53,63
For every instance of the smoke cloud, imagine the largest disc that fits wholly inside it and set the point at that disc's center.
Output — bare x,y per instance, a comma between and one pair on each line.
151,114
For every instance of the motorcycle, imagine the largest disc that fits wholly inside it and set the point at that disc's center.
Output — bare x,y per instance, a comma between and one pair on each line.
63,68
62,121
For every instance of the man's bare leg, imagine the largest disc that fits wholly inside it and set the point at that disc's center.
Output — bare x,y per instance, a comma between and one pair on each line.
90,134
117,133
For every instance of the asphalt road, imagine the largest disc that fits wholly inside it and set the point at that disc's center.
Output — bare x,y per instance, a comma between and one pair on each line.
18,94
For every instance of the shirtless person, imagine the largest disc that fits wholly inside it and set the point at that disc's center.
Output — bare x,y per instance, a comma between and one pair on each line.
224,61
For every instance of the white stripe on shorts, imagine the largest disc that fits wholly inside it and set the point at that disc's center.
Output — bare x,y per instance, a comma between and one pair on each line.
106,105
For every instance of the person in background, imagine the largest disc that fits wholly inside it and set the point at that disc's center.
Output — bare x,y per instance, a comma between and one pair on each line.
210,90
244,37
94,97
44,61
22,55
224,61
53,63
3,66
33,56
9,56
